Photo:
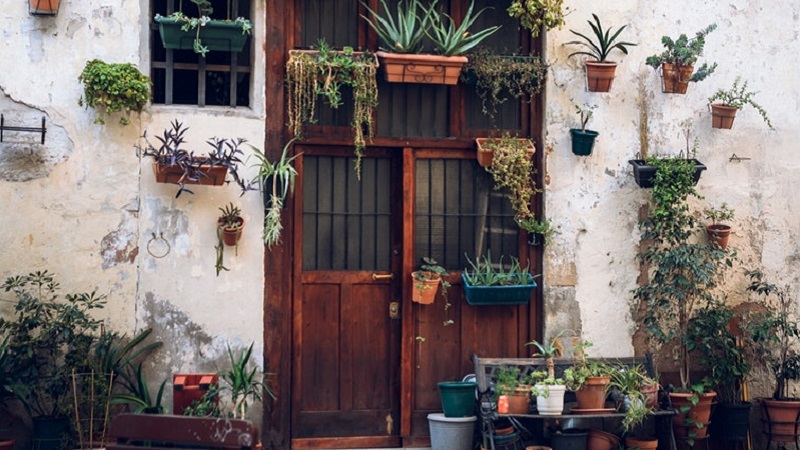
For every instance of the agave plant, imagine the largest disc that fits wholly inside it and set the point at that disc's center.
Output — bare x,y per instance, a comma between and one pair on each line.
449,39
605,41
402,33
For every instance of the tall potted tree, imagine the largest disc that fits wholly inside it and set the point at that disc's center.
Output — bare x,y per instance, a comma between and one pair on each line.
599,69
775,336
683,276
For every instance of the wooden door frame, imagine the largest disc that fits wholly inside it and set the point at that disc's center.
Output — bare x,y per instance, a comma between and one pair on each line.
280,28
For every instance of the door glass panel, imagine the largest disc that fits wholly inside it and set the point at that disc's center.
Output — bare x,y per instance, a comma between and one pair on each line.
346,223
459,214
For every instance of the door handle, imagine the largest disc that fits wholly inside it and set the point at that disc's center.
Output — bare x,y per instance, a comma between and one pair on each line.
380,276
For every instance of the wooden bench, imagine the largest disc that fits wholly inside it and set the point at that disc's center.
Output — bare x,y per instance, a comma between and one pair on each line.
485,375
160,431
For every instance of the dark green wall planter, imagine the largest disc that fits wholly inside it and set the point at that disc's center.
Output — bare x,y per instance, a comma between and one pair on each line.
643,173
582,141
498,295
217,35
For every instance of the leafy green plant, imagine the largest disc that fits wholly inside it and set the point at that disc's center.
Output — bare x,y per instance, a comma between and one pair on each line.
506,380
243,383
628,382
207,406
548,350
48,339
404,32
685,52
585,112
449,39
431,270
138,392
737,97
603,43
512,169
537,15
718,215
775,333
486,273
500,77
541,227
276,180
231,216
205,9
575,377
324,72
110,88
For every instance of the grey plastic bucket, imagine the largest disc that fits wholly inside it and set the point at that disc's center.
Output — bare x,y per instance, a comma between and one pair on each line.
451,433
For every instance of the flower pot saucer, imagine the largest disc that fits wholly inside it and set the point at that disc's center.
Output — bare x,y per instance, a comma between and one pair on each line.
591,410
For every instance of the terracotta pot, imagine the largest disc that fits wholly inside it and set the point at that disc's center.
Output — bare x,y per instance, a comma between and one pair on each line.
686,422
719,233
600,75
519,403
424,291
428,69
231,235
43,7
675,79
779,418
722,116
650,393
210,175
592,395
600,440
485,155
641,443
7,444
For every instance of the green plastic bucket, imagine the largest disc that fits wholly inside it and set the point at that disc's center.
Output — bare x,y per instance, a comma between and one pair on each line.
458,398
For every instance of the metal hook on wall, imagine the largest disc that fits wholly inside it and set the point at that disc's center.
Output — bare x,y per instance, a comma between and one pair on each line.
738,158
157,240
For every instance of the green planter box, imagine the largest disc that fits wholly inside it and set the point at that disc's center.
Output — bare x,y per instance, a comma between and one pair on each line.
498,295
217,35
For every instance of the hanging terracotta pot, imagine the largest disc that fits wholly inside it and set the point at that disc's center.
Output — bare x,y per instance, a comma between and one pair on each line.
691,420
600,75
43,7
719,233
231,235
424,286
722,116
675,79
421,68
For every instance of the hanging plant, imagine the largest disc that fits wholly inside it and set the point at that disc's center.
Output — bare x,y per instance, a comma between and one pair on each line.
512,169
111,88
499,77
323,72
535,14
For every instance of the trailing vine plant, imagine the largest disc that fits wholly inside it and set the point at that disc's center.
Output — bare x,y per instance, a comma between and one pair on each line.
324,72
512,169
499,78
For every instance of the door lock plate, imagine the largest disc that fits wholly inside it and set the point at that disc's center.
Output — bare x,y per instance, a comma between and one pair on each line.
394,310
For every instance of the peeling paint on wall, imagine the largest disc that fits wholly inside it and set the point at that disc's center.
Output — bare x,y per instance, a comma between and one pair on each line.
119,246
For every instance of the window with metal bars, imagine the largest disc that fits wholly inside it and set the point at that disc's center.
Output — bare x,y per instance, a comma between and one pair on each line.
183,77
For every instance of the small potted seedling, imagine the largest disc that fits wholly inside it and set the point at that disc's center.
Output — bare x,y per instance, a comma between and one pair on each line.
230,224
718,232
583,139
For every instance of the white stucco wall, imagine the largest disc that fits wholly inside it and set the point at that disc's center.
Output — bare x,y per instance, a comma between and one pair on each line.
592,266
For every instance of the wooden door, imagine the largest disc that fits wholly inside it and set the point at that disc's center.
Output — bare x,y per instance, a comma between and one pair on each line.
346,327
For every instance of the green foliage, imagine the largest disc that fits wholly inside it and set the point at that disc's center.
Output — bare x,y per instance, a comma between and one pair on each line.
537,14
110,88
512,170
575,376
506,380
585,112
207,406
721,214
449,39
48,339
325,72
774,333
499,78
431,270
138,392
738,96
684,273
243,383
196,23
684,52
603,43
542,227
276,180
231,215
485,273
402,33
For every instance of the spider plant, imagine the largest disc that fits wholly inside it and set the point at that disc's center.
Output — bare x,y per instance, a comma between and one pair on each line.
605,41
449,39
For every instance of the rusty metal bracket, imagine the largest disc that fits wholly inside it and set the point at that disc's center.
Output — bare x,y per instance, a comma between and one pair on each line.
4,128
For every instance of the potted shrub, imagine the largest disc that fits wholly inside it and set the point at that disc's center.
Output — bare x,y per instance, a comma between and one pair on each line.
110,88
48,340
513,393
635,394
583,139
43,7
324,71
714,334
500,77
683,278
402,38
548,389
537,15
494,284
276,181
725,103
589,380
203,34
600,71
426,281
172,163
719,232
775,335
678,59
540,231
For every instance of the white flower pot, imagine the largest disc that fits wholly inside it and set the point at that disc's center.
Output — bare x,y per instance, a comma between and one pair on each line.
550,399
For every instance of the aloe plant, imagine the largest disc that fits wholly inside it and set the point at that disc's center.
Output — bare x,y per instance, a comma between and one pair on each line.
605,41
449,39
402,33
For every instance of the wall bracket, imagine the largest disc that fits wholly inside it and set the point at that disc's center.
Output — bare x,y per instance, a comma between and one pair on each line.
4,128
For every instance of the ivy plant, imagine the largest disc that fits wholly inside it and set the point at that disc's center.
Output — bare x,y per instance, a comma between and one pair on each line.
110,88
